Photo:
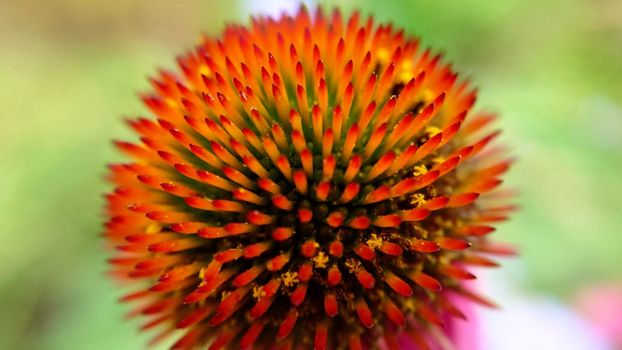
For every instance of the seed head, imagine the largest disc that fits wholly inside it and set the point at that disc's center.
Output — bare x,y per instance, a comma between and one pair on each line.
308,181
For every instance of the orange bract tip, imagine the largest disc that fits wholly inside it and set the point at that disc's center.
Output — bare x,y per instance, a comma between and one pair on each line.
330,305
391,220
364,251
236,228
353,167
398,285
255,250
288,324
390,248
360,222
300,181
247,276
394,314
426,281
305,215
415,214
456,273
364,313
379,194
258,218
335,248
424,246
282,233
212,232
228,255
299,294
322,190
453,243
251,335
335,219
308,249
334,276
268,185
281,202
349,192
305,272
321,335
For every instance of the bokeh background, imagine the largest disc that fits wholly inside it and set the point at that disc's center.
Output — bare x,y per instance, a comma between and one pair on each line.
70,71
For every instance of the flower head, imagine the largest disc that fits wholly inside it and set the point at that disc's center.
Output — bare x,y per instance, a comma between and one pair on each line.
310,181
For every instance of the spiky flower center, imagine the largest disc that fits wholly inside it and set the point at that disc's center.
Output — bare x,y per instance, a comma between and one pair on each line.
305,175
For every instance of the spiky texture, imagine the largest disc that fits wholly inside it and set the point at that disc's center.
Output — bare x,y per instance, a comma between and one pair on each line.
309,180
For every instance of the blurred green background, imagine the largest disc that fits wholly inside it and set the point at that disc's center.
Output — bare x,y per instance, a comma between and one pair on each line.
70,71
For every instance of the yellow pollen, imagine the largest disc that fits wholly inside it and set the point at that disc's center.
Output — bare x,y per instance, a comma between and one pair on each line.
419,170
409,304
353,265
202,273
289,278
438,159
224,294
258,292
320,260
374,241
417,199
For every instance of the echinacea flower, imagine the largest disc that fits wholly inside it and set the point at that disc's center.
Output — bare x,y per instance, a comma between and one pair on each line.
305,182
